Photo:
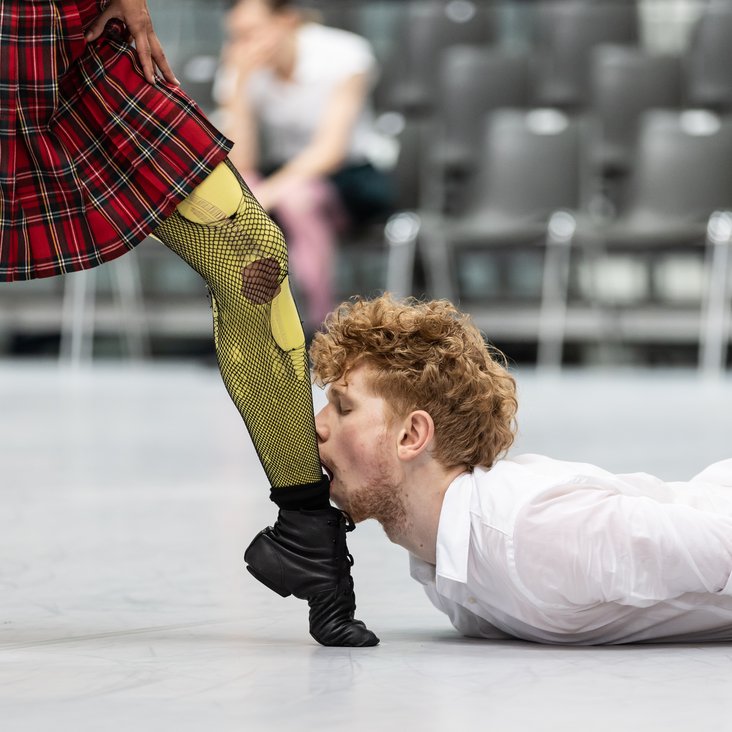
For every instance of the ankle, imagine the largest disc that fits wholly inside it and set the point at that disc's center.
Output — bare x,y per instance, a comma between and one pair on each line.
308,496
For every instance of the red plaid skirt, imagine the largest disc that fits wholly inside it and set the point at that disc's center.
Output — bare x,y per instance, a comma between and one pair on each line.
92,156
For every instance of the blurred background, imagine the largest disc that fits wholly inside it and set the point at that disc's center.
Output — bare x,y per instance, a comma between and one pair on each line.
563,172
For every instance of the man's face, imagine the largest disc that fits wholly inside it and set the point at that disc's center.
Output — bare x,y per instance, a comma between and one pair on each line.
358,449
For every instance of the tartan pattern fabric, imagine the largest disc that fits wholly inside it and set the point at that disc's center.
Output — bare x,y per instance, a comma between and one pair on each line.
92,157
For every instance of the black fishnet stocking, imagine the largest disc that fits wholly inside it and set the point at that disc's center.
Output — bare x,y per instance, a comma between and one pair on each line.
260,345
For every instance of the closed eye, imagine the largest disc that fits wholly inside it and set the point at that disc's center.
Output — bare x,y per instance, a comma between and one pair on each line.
337,399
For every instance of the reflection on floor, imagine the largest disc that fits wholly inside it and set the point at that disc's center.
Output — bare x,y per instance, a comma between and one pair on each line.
129,495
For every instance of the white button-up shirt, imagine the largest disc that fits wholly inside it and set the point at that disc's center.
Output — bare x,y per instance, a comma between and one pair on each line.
560,552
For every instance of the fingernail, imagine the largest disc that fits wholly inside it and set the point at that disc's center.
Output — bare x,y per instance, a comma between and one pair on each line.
176,81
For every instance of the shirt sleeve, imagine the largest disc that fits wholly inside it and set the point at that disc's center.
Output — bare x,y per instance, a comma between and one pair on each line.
358,58
335,55
584,545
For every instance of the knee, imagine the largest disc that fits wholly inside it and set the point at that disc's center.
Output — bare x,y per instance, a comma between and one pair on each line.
216,198
261,280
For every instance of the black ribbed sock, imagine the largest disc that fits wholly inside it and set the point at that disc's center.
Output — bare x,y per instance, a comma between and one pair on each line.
310,496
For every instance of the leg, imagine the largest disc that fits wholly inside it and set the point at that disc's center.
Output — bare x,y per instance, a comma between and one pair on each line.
222,232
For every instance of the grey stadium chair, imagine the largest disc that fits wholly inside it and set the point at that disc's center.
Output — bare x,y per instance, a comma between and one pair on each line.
343,15
473,82
626,82
381,256
709,58
680,193
567,31
428,28
529,173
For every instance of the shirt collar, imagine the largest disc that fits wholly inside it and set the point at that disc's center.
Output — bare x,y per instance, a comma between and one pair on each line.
453,532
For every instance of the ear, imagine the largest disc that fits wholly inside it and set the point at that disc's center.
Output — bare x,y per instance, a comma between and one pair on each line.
415,436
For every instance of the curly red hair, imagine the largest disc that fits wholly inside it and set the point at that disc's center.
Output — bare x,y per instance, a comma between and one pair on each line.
425,355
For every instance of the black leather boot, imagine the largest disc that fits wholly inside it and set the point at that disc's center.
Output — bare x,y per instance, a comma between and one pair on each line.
305,554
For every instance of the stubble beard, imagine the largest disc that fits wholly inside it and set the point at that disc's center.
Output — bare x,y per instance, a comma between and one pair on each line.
380,498
380,501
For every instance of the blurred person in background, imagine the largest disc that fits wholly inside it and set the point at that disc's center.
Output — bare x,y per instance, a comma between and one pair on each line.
97,152
295,97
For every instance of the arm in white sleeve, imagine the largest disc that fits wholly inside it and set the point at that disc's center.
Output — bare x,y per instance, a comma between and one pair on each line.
584,545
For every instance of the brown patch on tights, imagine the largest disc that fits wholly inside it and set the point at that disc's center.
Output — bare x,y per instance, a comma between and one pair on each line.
261,280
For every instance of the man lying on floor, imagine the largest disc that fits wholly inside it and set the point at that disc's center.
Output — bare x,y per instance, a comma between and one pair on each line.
419,417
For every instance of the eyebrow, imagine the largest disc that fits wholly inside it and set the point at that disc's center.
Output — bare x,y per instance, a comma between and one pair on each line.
336,392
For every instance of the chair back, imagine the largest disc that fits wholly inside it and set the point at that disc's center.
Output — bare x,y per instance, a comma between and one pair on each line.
709,58
408,169
625,82
473,82
530,165
568,30
682,167
427,29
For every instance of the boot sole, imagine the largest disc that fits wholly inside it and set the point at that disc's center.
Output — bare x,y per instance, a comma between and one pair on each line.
267,583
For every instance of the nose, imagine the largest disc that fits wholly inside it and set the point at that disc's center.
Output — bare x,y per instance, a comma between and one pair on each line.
321,427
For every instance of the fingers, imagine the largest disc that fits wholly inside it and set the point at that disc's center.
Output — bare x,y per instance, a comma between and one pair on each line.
140,27
96,28
143,51
161,61
147,43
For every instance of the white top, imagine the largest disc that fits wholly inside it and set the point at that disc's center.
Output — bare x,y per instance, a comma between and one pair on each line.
560,552
289,112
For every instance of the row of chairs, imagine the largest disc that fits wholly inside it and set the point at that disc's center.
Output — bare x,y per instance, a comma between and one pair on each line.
563,34
598,174
527,196
562,37
603,172
626,82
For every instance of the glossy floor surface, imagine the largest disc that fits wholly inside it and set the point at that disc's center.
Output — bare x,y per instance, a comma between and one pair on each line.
129,495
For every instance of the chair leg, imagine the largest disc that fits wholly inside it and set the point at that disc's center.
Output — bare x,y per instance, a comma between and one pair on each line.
79,313
713,325
553,308
401,234
77,319
128,294
435,250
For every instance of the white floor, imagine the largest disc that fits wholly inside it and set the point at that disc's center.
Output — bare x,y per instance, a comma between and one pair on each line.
128,497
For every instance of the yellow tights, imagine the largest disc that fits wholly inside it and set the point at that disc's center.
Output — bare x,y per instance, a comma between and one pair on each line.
223,233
